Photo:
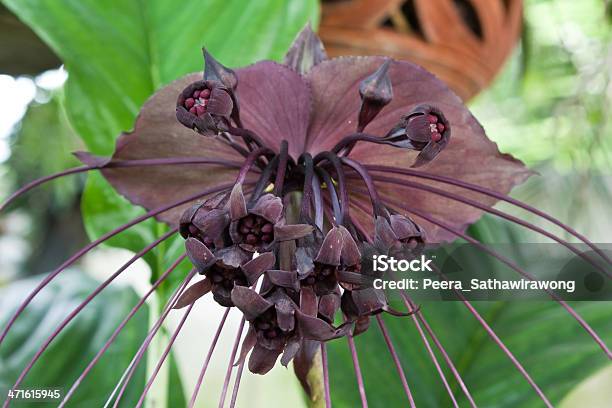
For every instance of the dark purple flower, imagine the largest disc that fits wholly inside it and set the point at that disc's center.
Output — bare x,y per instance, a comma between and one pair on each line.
227,267
204,106
302,185
253,226
300,128
207,222
424,129
277,325
398,234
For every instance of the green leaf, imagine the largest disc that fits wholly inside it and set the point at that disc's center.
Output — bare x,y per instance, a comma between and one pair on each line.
118,53
553,348
77,344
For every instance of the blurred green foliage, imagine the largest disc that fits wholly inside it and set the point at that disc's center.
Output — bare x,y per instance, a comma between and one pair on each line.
78,344
56,229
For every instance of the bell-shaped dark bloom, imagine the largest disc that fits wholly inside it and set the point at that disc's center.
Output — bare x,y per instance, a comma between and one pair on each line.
424,129
376,92
204,106
227,267
257,226
398,236
253,228
337,256
296,133
277,325
207,221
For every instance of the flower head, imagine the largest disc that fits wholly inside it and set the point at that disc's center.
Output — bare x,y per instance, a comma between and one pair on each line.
207,222
297,167
204,106
302,185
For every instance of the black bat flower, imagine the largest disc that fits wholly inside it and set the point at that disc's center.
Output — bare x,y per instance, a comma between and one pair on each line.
305,169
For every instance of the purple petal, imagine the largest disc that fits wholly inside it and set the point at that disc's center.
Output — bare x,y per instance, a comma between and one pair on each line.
269,207
285,314
199,254
305,52
308,301
220,102
331,248
215,71
157,135
352,280
314,328
285,279
262,360
368,300
237,203
329,305
213,223
247,344
249,302
233,256
303,261
376,92
193,293
384,237
291,349
470,156
350,251
275,103
257,266
291,231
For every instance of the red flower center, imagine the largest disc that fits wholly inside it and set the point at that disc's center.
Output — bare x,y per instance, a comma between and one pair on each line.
268,324
435,126
198,102
256,230
227,277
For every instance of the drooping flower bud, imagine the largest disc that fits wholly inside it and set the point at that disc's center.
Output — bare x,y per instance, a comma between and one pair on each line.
398,235
306,51
207,222
337,256
277,324
424,129
204,106
376,92
407,231
215,71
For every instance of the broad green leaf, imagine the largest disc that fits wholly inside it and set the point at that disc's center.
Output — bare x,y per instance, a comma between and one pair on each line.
77,344
550,344
118,53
